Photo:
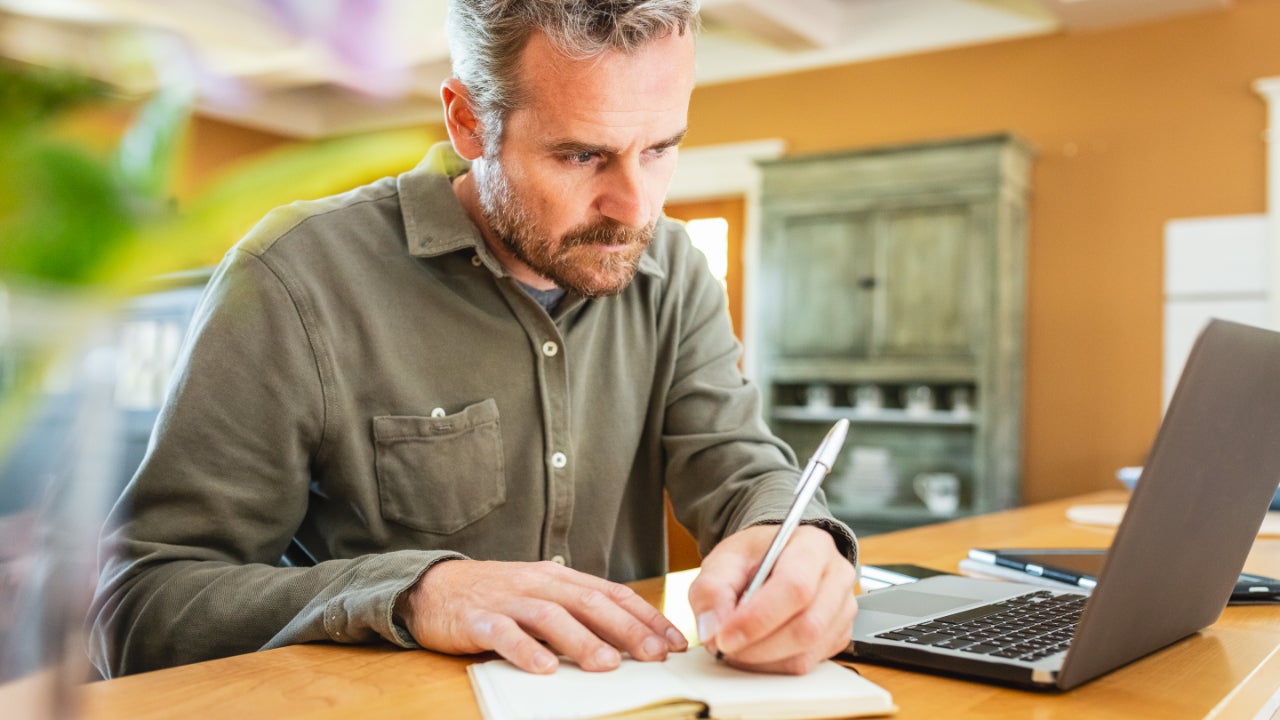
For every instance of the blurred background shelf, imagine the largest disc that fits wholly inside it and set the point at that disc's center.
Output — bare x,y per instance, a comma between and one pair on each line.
890,416
872,520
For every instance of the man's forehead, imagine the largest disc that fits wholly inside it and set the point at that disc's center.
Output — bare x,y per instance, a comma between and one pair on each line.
639,75
588,101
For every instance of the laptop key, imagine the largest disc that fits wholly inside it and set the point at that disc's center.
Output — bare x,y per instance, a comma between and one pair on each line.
981,648
930,639
970,615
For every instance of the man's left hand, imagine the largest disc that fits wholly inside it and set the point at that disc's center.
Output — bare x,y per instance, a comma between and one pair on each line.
799,617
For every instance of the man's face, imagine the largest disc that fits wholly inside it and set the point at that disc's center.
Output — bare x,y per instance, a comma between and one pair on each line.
578,182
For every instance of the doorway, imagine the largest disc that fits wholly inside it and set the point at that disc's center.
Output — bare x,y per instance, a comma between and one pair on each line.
716,228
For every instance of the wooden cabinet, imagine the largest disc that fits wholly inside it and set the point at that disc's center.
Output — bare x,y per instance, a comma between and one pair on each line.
891,291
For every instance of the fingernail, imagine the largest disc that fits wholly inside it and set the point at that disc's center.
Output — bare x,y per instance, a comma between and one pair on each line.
544,662
607,657
653,647
707,625
675,640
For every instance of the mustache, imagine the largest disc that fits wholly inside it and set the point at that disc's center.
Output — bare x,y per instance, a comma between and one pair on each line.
607,232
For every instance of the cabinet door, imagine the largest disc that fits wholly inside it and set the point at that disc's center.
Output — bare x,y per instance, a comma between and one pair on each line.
824,266
929,274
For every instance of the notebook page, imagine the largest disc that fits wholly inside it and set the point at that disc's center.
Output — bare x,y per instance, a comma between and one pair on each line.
507,693
830,690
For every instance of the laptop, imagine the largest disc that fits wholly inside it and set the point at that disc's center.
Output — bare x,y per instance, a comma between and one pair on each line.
1177,553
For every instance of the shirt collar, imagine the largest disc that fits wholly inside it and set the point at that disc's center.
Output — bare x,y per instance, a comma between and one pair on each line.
435,222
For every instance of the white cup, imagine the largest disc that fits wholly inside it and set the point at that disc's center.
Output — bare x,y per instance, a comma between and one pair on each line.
917,399
961,401
819,396
868,398
940,492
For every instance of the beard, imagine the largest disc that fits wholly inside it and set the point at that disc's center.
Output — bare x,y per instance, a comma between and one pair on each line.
584,260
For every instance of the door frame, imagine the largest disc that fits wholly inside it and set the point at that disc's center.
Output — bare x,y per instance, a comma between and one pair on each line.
730,170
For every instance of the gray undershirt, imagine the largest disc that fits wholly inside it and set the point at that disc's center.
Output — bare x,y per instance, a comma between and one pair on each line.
548,299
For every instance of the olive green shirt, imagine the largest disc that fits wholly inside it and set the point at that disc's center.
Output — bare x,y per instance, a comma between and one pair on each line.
364,378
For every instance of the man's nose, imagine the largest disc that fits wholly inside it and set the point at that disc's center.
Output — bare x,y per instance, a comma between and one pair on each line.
625,197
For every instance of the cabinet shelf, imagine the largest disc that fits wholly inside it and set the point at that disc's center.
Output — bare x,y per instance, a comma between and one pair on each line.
871,521
888,416
853,371
906,514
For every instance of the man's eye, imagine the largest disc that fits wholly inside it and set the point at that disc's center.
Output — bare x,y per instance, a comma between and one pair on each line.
580,158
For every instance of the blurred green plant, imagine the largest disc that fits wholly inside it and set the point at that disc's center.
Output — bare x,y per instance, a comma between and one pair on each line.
88,228
61,209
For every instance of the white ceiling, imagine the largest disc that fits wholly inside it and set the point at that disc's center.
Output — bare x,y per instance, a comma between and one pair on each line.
312,68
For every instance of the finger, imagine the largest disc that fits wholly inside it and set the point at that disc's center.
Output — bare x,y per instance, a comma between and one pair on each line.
809,564
554,624
501,634
649,616
804,661
725,572
616,612
713,594
608,617
619,616
788,591
816,633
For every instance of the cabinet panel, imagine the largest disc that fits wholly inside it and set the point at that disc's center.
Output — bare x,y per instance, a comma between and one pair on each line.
928,264
820,260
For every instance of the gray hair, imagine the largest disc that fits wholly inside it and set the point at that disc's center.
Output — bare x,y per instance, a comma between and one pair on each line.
486,38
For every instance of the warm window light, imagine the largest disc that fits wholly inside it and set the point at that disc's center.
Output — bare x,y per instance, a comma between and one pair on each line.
711,236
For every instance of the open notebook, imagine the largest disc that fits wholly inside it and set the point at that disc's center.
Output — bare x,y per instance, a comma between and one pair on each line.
685,685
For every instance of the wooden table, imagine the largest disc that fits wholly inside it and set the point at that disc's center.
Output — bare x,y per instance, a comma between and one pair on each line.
1230,670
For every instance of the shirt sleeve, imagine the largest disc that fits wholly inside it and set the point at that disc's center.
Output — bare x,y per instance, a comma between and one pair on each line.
191,562
725,469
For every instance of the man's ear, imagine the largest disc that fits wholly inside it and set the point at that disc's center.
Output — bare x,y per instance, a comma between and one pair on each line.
461,121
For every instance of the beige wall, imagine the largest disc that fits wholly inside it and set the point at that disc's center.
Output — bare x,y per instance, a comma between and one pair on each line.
212,145
1132,127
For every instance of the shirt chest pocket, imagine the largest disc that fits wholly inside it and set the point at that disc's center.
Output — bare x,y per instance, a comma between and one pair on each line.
440,474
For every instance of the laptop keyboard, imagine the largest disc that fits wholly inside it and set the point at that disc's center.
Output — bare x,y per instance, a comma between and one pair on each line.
1027,627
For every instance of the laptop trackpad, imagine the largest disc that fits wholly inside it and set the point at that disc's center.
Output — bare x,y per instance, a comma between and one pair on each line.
907,602
938,595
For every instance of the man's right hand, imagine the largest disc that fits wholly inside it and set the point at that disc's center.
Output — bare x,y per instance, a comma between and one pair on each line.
470,606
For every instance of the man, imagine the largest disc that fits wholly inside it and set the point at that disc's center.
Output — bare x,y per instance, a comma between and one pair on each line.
463,392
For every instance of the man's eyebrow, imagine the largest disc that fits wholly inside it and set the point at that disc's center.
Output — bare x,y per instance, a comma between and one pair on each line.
573,147
671,142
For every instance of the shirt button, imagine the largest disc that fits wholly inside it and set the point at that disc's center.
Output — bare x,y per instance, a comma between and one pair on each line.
559,460
550,349
475,260
437,413
558,559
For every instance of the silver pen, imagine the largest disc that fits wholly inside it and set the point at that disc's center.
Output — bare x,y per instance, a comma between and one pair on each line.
819,465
